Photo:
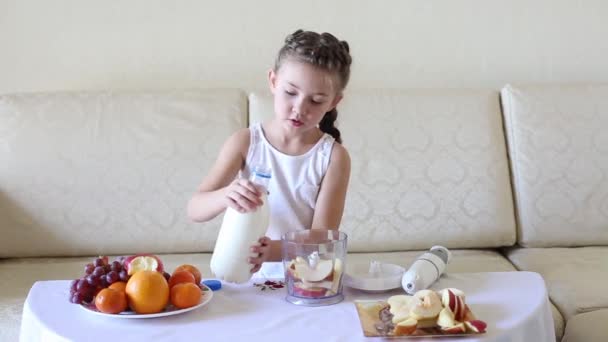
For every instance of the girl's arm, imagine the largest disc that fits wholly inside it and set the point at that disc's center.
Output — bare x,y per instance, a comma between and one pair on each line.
332,194
219,189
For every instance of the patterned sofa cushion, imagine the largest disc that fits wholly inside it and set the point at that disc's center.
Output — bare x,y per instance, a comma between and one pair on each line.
102,172
558,144
428,167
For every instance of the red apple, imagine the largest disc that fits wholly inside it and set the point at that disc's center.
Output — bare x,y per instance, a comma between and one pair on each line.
456,329
476,326
462,309
454,303
141,262
312,292
449,300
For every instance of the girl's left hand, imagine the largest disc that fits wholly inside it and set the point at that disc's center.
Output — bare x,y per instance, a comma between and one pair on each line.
262,250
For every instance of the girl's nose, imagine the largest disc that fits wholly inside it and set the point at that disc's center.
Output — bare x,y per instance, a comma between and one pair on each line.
299,108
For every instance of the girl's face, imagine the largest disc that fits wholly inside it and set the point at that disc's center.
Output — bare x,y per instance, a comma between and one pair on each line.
302,93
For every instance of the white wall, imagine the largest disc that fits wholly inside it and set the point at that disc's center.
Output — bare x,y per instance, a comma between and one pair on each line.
126,44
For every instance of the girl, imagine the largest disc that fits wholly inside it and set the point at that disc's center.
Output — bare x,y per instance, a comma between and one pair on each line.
310,172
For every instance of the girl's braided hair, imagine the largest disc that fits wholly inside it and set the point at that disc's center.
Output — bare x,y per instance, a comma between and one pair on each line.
326,52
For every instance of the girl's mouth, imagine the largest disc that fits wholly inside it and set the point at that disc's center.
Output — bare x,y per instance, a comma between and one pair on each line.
296,123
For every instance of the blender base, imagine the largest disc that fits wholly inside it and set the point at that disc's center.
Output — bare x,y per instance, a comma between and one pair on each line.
315,301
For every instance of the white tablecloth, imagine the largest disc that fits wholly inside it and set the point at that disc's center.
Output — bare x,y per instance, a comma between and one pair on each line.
514,304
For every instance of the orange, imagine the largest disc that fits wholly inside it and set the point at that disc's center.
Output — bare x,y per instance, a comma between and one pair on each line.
147,292
192,269
111,301
118,286
185,295
180,277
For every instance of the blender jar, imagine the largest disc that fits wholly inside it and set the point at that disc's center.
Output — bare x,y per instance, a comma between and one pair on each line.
314,262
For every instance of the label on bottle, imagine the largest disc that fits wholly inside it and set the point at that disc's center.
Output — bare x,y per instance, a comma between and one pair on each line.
262,175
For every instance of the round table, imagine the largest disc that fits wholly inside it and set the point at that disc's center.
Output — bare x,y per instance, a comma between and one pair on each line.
514,305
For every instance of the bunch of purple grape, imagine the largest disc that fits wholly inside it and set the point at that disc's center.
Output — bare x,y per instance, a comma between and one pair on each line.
97,276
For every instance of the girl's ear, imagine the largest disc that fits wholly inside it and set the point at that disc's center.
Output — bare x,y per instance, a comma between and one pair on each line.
272,80
336,100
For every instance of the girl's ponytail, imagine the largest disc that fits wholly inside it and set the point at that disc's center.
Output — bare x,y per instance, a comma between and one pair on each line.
327,125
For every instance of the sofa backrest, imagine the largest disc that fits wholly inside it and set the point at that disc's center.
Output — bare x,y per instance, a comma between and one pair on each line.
90,173
558,146
428,167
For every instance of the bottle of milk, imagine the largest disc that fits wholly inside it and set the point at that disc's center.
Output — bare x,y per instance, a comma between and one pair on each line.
239,231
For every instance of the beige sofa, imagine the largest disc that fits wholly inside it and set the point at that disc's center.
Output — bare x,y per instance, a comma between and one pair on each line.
517,187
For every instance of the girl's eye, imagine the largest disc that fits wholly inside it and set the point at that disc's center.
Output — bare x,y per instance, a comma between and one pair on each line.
290,93
316,102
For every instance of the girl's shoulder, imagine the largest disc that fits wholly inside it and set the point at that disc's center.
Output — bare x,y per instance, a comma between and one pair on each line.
339,156
239,141
242,135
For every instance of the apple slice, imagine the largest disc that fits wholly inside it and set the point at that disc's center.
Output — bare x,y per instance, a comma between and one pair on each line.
406,327
322,269
476,326
336,275
402,307
428,307
456,329
397,302
427,323
455,303
400,316
309,292
291,270
446,318
449,300
455,291
143,262
468,315
462,309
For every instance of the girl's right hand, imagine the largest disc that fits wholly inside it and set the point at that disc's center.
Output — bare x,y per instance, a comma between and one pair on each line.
243,196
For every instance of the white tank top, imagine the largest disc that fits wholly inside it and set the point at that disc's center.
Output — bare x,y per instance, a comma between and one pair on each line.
295,181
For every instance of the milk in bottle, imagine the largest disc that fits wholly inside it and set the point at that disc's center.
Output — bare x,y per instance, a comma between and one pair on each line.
239,231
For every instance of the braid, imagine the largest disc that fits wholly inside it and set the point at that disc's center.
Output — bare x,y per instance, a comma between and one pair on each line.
322,50
327,125
326,52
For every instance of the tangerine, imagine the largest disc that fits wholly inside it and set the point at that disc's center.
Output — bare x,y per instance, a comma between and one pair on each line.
147,292
119,286
192,269
179,277
111,301
185,295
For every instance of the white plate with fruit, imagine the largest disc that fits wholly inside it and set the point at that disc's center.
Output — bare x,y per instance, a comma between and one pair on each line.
138,287
169,310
